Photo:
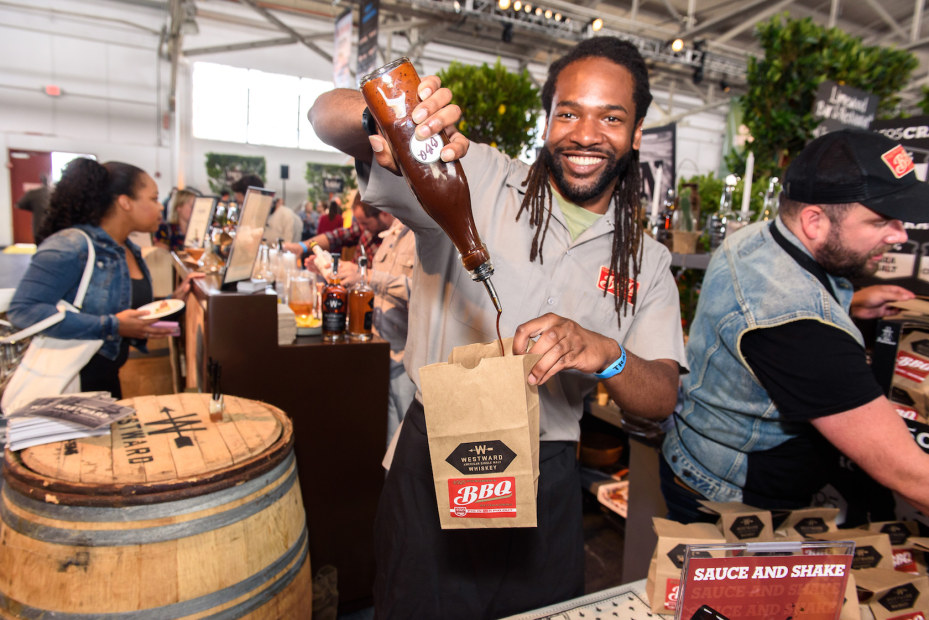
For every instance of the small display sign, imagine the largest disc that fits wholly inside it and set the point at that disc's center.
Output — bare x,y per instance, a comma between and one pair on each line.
765,580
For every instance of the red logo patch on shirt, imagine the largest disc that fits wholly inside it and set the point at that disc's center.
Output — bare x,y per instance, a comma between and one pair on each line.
899,161
607,282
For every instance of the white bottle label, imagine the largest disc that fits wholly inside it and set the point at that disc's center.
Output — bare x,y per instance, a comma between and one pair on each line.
426,151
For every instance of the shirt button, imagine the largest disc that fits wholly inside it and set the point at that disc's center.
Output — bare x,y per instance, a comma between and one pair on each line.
686,474
551,301
674,459
569,252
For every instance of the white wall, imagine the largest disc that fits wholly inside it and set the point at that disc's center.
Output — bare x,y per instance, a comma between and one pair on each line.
104,56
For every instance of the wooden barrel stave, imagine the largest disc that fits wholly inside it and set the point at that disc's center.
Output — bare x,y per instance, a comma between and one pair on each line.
240,551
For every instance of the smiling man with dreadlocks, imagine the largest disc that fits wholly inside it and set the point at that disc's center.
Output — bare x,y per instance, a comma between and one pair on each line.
580,285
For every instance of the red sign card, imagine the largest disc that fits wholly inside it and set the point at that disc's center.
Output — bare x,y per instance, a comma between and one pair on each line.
811,587
482,498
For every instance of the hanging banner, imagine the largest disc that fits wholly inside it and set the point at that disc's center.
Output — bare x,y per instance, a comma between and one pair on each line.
838,106
367,37
341,58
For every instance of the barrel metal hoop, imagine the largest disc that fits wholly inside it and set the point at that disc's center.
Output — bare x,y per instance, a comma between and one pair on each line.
64,512
298,550
146,535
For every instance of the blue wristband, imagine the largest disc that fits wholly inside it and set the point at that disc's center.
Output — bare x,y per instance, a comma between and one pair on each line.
615,368
303,247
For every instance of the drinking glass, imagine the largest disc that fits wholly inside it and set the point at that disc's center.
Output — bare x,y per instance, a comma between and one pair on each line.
302,296
195,250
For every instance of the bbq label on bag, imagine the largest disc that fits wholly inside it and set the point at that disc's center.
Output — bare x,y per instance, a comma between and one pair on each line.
482,498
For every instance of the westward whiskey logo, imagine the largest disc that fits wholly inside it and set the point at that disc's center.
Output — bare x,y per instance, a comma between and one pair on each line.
177,425
481,457
606,281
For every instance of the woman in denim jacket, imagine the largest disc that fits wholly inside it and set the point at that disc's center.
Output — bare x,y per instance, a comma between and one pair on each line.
108,202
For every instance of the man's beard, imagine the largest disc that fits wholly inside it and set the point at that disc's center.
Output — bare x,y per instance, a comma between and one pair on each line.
842,262
615,170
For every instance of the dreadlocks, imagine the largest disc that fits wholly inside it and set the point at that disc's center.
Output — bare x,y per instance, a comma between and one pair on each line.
626,253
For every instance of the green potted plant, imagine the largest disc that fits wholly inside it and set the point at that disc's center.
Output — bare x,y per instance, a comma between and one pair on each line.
798,55
223,169
498,107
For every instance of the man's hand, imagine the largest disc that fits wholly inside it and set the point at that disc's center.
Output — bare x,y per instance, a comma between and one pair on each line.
434,114
563,344
348,273
646,388
871,302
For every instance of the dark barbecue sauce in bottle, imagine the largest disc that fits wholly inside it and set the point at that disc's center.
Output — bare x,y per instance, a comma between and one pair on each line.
390,93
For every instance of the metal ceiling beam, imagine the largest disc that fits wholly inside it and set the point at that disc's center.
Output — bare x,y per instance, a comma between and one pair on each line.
285,28
917,19
750,23
237,47
888,19
712,23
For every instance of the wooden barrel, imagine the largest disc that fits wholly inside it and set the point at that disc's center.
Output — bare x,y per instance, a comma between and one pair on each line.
170,516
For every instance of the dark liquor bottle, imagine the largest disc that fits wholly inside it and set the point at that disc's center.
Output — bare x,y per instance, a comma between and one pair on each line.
361,303
335,306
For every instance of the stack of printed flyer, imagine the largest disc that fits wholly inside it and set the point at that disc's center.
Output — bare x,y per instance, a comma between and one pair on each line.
56,418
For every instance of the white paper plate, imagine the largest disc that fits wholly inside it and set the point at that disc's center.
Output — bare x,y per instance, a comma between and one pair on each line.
162,307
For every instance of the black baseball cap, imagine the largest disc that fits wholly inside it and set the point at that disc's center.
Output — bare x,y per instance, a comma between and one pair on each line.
854,165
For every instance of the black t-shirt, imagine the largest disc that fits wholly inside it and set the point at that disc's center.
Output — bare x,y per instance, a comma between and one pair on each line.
810,369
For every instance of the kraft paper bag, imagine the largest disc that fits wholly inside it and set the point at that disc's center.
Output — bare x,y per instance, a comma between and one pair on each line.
482,422
664,570
740,522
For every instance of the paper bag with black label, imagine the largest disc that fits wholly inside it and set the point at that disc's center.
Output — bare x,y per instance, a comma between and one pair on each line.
892,594
482,422
804,523
909,388
664,571
908,558
740,522
872,549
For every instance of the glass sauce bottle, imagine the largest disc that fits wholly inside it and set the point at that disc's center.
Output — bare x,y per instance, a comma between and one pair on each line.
390,93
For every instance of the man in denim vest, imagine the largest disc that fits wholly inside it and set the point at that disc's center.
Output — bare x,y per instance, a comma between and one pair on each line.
779,377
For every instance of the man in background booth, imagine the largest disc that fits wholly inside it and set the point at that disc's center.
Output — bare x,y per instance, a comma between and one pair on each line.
779,381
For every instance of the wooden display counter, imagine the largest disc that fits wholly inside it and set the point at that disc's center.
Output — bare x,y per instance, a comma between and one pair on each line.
336,395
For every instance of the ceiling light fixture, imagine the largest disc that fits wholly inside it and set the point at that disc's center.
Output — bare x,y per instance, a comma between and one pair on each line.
677,45
503,4
548,13
517,5
596,25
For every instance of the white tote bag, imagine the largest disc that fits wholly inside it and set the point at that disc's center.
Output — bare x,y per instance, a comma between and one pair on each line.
51,366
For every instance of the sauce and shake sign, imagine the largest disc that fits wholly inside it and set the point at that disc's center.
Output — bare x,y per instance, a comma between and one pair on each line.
803,586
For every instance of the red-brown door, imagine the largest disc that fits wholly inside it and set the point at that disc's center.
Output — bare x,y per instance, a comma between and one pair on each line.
26,171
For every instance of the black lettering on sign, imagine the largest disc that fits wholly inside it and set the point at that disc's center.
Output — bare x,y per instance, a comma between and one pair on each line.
178,425
70,447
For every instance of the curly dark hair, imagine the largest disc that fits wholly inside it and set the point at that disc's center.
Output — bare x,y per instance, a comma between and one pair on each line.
86,193
626,253
249,180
